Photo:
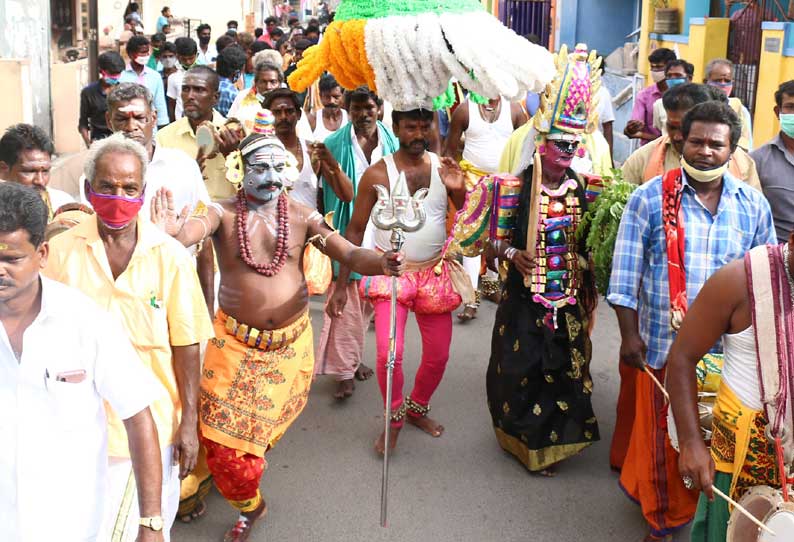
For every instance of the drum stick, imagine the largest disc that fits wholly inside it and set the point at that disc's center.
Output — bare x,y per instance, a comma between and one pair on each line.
743,510
658,384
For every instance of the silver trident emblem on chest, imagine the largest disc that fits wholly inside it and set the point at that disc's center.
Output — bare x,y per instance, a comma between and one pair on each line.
390,212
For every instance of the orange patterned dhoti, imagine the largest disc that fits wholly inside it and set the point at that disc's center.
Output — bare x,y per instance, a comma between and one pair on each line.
254,385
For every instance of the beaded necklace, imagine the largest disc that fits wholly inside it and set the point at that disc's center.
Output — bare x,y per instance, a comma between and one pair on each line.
282,237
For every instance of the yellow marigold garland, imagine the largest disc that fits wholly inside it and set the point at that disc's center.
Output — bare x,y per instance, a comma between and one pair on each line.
339,63
342,52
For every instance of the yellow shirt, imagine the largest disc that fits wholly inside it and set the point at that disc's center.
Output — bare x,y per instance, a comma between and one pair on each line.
157,298
180,135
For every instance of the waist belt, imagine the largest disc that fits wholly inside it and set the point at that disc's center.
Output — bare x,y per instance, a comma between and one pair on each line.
267,340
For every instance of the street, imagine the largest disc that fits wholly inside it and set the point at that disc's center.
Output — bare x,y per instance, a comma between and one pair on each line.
323,481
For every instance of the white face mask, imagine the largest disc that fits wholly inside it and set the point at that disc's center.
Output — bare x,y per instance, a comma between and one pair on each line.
142,60
657,75
704,175
168,62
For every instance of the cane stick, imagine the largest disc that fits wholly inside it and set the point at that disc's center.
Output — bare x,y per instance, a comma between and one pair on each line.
743,510
534,212
658,384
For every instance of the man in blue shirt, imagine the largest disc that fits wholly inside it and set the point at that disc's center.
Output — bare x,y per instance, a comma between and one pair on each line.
139,51
230,63
164,19
676,231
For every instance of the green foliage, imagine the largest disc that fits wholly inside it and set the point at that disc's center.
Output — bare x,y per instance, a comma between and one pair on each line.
599,226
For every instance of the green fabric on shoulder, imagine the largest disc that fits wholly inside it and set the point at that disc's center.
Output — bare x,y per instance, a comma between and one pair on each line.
340,144
711,519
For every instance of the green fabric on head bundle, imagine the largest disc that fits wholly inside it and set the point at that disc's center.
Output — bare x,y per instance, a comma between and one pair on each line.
371,9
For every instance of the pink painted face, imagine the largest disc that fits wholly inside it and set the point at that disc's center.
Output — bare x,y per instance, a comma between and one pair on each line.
559,154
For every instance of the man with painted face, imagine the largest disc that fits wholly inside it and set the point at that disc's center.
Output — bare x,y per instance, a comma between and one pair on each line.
641,124
664,153
93,98
427,289
139,50
775,162
135,271
676,231
26,158
200,94
186,52
538,379
258,370
344,157
287,111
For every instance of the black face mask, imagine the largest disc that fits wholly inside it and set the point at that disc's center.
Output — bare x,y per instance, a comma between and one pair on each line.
204,40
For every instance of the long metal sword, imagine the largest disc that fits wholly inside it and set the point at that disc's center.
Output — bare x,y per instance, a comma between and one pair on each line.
390,212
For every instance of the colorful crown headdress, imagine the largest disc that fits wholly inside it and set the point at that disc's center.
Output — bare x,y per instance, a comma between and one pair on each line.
569,103
407,51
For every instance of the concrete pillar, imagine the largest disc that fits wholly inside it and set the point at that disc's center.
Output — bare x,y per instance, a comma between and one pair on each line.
26,35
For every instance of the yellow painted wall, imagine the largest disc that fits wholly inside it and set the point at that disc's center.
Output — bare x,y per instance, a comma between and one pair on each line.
15,75
707,42
773,69
67,81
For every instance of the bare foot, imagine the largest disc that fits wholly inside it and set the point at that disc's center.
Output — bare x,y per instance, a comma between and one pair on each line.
469,313
393,434
363,373
344,389
245,522
428,425
197,512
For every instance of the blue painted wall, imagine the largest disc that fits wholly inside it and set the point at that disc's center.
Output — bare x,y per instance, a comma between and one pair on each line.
601,24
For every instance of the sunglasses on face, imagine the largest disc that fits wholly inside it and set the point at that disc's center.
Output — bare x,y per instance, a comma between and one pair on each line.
568,147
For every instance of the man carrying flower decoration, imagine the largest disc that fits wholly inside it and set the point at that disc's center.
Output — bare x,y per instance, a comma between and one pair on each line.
258,370
432,288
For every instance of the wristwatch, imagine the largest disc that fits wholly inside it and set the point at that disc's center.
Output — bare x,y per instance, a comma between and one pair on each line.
155,523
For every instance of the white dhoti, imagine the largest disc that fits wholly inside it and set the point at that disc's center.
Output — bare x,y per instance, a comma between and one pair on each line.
120,520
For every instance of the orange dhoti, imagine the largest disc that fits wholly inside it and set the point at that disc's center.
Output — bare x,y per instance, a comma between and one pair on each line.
625,416
650,474
254,385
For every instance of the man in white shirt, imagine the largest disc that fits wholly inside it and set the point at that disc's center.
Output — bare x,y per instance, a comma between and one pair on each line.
26,158
186,54
60,358
206,50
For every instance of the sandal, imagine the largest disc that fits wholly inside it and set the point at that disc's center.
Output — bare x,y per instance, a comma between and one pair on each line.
469,312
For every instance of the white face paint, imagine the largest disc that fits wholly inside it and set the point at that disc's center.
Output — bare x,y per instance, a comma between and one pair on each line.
265,173
133,107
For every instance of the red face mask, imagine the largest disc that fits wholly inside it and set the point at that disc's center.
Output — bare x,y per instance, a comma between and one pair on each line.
114,211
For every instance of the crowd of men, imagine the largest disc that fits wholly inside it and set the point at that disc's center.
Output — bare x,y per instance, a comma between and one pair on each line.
208,356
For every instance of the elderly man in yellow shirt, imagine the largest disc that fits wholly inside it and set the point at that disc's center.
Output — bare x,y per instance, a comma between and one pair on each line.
135,271
199,97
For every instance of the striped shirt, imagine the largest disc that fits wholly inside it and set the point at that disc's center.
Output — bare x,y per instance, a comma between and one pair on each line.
639,278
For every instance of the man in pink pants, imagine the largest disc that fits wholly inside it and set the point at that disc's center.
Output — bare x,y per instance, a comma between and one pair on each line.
427,286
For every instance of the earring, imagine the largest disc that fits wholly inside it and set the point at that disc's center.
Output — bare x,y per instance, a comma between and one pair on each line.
580,152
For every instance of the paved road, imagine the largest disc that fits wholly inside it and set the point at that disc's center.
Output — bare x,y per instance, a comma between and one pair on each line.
323,481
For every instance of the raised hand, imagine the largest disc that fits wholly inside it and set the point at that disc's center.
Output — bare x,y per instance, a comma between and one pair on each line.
163,214
451,175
